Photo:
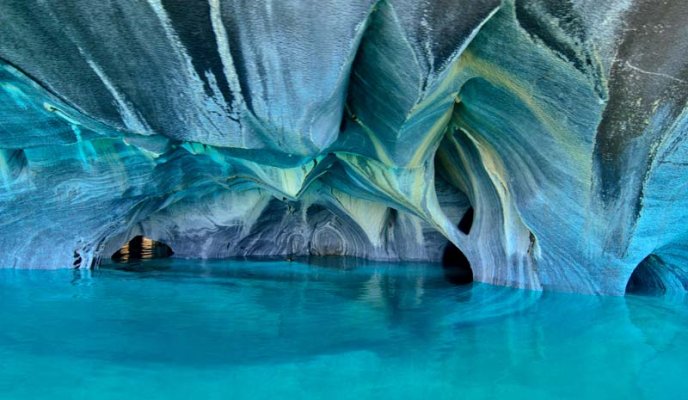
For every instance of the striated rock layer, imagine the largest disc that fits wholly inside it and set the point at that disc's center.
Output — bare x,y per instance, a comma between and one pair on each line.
361,128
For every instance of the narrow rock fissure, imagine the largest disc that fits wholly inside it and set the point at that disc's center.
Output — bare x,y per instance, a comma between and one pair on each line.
466,221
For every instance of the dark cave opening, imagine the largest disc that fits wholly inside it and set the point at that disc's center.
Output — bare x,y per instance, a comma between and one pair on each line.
142,248
457,269
466,221
651,277
453,201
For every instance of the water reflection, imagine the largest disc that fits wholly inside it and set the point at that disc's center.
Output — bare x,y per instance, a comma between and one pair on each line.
402,324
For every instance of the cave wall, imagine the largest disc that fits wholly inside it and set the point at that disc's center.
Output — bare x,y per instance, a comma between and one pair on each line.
359,128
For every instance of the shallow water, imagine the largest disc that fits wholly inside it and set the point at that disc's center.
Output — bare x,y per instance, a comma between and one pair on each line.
179,329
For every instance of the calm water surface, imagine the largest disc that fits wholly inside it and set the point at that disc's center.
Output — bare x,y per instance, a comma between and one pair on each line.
178,329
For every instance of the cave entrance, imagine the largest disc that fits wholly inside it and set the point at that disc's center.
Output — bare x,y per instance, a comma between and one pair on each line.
457,269
142,248
653,277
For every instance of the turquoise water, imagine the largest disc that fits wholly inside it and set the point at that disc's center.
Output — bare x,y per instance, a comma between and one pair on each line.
178,329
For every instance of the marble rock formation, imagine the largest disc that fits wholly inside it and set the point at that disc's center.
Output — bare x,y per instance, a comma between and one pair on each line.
364,128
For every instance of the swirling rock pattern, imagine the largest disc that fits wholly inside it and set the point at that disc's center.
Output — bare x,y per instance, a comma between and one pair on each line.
362,128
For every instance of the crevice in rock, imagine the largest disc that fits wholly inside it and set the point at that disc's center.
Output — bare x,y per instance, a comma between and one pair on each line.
344,123
142,248
457,206
77,260
452,198
466,221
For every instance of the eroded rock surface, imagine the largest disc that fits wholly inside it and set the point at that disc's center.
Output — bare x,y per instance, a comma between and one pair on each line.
361,128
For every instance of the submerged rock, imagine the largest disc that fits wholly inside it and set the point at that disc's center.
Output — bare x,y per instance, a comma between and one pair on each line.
361,128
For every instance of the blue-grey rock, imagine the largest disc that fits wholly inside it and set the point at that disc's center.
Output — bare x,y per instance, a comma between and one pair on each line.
361,128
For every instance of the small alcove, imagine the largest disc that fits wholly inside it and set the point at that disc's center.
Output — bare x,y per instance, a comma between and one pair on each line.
142,248
653,276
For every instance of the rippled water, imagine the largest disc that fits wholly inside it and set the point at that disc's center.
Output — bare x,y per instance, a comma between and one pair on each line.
178,329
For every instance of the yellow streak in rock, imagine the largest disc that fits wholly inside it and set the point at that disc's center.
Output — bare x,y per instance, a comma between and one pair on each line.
370,216
380,150
431,137
406,187
524,92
